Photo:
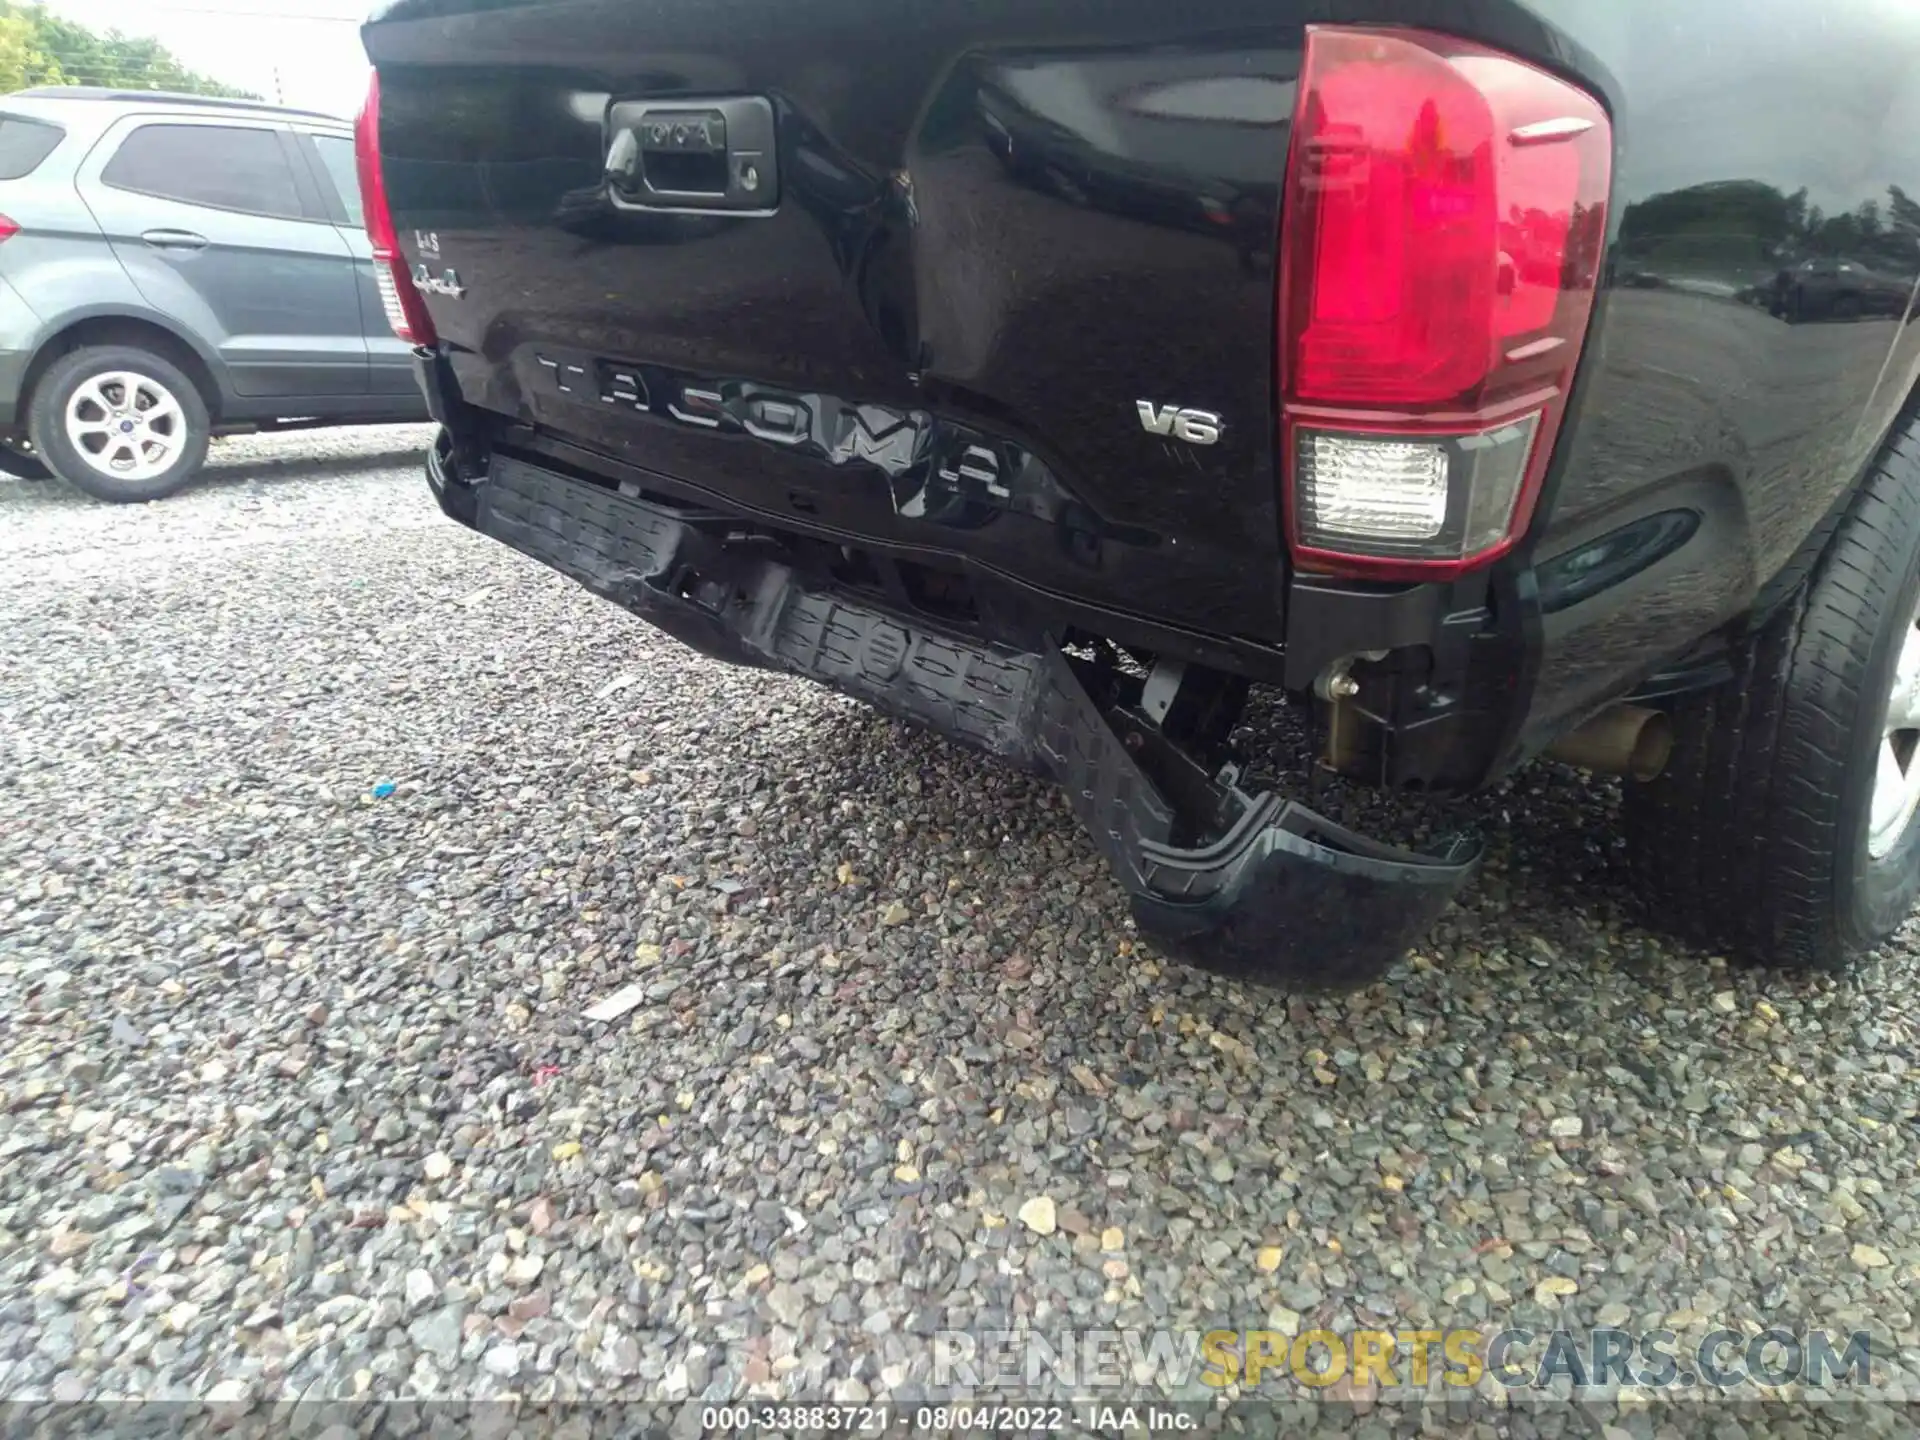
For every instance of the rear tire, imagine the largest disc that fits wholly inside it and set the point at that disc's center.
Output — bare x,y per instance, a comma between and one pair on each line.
120,423
1762,835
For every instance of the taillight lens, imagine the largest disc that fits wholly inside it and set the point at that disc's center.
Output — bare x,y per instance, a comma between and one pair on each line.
8,228
406,309
1445,215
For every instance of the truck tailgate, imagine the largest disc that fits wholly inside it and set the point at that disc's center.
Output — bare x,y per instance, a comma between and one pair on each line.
931,275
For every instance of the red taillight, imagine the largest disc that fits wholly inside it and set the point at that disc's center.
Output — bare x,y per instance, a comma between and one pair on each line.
406,310
8,229
1445,213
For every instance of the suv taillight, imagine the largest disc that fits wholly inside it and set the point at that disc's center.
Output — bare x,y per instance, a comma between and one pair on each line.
8,228
406,310
1445,215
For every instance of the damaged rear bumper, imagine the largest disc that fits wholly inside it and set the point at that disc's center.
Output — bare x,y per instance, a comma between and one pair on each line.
1282,894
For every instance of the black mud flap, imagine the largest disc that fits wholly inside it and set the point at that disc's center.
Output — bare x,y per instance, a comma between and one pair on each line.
1283,895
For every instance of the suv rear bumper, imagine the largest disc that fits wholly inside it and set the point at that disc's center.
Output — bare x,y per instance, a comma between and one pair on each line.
1283,895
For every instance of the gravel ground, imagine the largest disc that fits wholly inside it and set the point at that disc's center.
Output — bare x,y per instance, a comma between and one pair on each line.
301,1099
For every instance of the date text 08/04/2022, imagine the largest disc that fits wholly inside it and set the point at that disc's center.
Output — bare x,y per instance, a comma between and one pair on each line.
944,1419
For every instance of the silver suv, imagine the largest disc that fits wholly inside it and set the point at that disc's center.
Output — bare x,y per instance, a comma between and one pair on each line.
175,268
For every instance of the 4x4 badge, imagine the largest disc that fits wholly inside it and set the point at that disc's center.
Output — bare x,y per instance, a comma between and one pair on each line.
446,283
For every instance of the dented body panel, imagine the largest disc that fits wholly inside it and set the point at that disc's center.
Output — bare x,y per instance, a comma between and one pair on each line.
1003,225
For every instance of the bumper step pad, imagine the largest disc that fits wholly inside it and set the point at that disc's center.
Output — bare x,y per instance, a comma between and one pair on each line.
1284,895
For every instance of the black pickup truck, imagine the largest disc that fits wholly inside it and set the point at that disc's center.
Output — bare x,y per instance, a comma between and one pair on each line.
1053,372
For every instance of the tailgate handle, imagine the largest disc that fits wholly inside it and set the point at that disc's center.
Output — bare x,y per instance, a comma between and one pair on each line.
175,240
693,155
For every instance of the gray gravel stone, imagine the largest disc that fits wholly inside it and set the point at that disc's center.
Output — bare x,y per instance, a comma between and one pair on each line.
438,1332
299,1095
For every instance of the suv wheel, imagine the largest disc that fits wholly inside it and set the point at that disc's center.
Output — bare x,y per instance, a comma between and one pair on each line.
1784,827
120,423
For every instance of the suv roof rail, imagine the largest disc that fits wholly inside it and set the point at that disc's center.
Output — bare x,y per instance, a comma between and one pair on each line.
166,97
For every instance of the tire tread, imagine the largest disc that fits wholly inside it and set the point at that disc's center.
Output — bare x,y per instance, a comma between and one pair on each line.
1738,842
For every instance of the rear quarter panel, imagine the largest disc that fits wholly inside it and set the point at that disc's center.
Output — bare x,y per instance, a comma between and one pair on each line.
1751,136
60,269
60,265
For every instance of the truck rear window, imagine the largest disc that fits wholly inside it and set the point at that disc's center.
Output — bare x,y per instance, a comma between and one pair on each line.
24,144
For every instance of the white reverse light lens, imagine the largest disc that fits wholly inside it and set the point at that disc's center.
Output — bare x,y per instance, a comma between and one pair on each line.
1352,487
1439,498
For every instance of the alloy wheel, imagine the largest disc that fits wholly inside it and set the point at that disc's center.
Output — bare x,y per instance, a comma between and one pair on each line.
126,426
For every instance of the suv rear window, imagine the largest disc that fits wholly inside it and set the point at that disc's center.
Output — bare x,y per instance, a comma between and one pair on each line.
24,144
225,167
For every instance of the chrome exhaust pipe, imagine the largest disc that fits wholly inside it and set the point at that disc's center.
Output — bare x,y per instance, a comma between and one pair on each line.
1626,740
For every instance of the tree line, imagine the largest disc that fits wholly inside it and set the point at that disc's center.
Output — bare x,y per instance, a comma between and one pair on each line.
1747,221
37,48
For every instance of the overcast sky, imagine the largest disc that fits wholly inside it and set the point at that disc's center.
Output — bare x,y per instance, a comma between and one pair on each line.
303,52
